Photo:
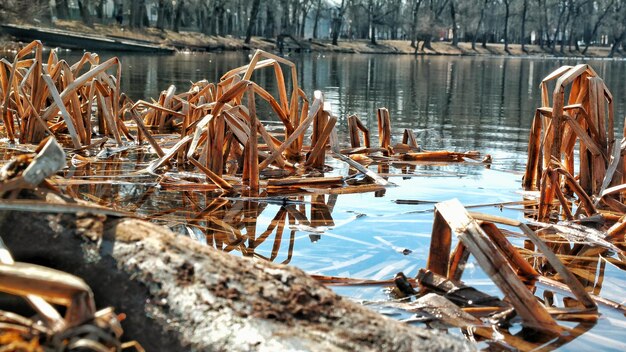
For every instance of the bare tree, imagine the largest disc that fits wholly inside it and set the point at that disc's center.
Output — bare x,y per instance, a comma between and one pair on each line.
270,21
507,12
337,21
160,24
480,23
118,11
523,23
556,22
25,10
83,8
415,8
598,23
178,15
435,10
455,32
619,26
318,12
254,13
63,9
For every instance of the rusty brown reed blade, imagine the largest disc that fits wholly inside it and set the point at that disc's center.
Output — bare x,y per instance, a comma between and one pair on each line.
492,261
251,152
384,128
443,156
568,277
317,154
584,116
408,138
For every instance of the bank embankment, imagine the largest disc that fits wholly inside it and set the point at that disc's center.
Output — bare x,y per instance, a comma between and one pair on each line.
195,41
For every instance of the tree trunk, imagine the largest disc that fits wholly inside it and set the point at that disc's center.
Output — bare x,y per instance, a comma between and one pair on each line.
617,42
134,9
523,30
542,24
569,11
270,21
428,39
100,10
207,24
370,19
317,18
573,34
219,14
178,16
507,7
455,32
137,13
85,15
336,28
597,26
415,11
436,9
284,19
304,14
161,15
295,15
63,10
589,9
373,34
480,23
395,21
118,10
337,22
558,29
144,15
253,15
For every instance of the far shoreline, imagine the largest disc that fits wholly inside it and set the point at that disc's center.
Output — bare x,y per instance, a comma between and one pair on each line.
194,41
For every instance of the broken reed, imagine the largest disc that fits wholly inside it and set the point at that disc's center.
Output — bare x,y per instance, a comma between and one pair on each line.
51,97
221,135
578,114
217,122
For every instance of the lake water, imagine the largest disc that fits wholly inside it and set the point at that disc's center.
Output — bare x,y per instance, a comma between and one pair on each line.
452,103
461,103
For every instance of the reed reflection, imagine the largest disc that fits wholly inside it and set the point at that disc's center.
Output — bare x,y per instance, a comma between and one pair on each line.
233,225
227,224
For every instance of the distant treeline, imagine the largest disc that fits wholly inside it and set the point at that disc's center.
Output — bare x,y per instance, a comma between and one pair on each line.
557,25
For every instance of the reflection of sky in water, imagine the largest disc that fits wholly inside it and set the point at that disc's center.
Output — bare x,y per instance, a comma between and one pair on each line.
461,104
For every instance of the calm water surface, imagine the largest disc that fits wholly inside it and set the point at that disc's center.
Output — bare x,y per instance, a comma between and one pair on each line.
452,103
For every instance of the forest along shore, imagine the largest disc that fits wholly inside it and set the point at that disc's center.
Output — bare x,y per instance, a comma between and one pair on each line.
194,41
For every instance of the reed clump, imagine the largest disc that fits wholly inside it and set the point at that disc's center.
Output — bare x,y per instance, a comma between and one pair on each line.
214,128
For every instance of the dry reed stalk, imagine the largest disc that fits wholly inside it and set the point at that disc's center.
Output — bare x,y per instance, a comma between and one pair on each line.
34,92
251,164
444,156
583,117
353,131
408,138
217,123
458,259
384,128
454,218
570,280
